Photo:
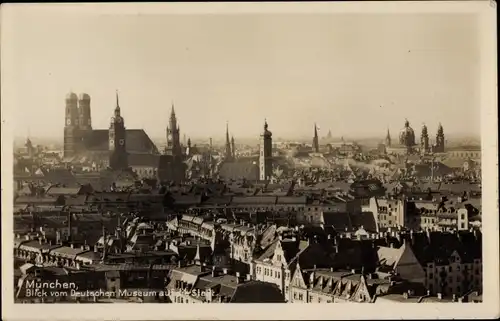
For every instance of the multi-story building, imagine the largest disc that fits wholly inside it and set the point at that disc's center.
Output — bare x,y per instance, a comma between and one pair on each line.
389,212
198,284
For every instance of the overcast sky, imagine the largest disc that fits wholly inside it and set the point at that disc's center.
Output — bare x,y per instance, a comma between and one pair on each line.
355,75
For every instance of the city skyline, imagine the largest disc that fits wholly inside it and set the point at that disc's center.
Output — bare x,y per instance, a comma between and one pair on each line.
356,86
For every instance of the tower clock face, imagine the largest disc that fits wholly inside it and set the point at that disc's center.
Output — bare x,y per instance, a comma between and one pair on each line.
68,121
122,142
111,141
119,119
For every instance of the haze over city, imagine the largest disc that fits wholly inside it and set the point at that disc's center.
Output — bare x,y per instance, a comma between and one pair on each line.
285,157
355,75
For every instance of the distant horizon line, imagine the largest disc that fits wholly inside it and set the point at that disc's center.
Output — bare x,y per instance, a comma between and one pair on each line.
284,137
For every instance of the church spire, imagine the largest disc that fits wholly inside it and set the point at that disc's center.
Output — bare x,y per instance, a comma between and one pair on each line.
117,108
315,139
228,143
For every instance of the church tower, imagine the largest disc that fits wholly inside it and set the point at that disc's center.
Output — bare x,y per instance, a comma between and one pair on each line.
29,148
266,153
84,112
228,154
316,140
173,135
424,141
118,158
71,127
439,148
388,139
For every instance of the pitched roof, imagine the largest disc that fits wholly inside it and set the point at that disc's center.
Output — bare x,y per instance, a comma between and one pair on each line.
239,170
137,141
339,220
57,190
145,160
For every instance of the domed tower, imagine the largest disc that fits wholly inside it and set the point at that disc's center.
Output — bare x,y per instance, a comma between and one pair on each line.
84,112
439,147
407,137
266,153
424,140
71,126
118,158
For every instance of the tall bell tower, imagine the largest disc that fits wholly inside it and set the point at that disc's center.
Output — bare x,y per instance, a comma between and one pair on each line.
118,157
71,126
173,135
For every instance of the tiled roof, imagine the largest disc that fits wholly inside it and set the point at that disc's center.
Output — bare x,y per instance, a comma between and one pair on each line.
186,199
37,200
339,220
239,170
144,160
389,256
56,190
254,200
292,200
218,200
137,141
365,220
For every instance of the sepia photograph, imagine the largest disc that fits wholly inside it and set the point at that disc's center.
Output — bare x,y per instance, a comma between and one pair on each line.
246,153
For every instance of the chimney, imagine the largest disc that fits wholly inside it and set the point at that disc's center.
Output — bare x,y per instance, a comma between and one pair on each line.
224,270
72,245
440,296
428,292
454,298
353,271
249,277
95,248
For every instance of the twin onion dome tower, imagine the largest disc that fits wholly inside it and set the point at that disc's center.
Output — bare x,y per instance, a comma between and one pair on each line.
117,144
